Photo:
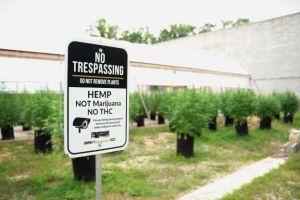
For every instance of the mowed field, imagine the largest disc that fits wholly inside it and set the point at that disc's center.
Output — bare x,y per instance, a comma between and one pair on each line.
148,169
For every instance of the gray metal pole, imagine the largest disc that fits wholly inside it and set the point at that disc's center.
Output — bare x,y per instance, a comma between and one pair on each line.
98,178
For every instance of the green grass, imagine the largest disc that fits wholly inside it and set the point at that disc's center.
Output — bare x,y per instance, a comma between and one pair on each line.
147,169
281,183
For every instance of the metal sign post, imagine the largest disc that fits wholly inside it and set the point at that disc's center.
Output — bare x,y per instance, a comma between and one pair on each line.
98,178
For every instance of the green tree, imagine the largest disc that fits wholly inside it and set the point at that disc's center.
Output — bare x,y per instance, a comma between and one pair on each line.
135,36
104,30
227,24
176,31
207,27
143,35
240,21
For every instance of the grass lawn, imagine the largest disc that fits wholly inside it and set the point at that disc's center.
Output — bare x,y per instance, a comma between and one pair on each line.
147,169
281,183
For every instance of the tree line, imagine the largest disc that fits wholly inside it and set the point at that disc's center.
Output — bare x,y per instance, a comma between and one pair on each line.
144,36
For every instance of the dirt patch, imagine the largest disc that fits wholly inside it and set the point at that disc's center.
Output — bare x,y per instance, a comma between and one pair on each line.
201,166
53,183
19,176
126,197
29,141
139,162
220,120
3,156
165,136
253,122
147,123
268,196
68,163
154,141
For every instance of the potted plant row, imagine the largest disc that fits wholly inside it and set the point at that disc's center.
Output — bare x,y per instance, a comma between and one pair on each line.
266,108
164,103
152,103
37,110
26,106
192,113
167,107
241,105
136,109
8,114
214,100
289,105
224,106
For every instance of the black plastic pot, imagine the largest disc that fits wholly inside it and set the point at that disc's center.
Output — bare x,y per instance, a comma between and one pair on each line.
213,124
152,115
84,168
265,123
228,121
26,127
288,117
277,116
185,145
241,128
140,121
161,119
42,141
7,132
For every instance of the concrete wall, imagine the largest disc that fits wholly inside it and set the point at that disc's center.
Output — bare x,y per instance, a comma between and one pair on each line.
269,50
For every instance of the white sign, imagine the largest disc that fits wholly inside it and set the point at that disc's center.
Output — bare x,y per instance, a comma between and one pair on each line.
96,99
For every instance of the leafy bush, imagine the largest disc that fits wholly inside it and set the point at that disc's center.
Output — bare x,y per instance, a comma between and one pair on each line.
41,110
267,106
241,104
166,104
225,102
136,108
192,112
289,102
152,101
277,96
26,107
54,123
214,99
9,109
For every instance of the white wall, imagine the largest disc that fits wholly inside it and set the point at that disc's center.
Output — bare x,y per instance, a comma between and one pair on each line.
150,76
269,50
32,74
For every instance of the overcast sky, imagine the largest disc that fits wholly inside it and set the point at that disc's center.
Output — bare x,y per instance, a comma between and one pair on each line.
46,24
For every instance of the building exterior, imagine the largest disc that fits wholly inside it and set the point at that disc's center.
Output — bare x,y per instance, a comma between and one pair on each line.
269,50
149,66
156,66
